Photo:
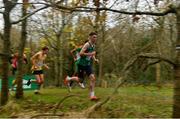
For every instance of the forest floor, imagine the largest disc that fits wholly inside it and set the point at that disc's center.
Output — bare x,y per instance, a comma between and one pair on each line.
129,102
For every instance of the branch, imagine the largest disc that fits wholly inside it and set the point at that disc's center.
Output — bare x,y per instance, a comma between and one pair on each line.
50,115
113,4
93,108
156,56
150,64
170,9
61,101
90,9
30,14
146,55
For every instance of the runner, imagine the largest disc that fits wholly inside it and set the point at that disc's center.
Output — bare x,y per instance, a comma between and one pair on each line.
37,67
76,56
14,64
87,54
14,61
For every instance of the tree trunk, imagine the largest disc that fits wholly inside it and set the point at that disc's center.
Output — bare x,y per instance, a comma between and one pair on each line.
158,75
101,56
58,65
176,105
61,64
19,91
58,62
55,72
6,51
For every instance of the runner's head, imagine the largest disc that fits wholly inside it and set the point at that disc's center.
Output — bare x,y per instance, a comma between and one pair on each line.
45,49
93,37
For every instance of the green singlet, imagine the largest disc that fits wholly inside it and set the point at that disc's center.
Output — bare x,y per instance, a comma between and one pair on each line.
87,60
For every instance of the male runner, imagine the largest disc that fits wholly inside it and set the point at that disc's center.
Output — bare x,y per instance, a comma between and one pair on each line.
87,54
37,67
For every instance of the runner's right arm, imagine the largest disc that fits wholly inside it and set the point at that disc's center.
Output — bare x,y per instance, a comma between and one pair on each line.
84,48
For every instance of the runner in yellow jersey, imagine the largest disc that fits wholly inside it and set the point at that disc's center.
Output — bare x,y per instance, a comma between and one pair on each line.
37,67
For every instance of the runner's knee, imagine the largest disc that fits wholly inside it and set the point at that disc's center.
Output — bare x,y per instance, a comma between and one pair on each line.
92,77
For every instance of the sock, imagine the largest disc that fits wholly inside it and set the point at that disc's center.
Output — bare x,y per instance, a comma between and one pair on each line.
92,93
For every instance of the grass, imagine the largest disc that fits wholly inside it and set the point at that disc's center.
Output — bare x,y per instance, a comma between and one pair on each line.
131,101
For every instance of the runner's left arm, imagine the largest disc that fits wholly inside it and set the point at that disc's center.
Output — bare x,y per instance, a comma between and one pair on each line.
72,53
95,59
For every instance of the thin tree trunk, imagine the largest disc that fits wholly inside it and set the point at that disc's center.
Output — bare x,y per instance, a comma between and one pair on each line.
159,38
61,64
6,50
101,56
58,70
19,91
158,74
59,55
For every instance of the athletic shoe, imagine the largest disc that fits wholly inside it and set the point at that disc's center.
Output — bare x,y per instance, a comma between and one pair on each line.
36,92
81,85
11,89
93,98
28,82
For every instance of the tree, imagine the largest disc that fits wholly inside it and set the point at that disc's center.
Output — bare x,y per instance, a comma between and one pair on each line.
19,91
8,6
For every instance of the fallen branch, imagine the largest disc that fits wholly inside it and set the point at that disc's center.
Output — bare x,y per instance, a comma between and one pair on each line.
156,56
150,64
96,106
61,101
43,115
123,78
146,55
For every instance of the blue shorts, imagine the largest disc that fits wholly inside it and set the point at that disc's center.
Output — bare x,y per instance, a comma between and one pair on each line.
84,69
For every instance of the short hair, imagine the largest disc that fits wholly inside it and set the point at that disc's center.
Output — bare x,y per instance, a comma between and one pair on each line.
93,33
45,48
